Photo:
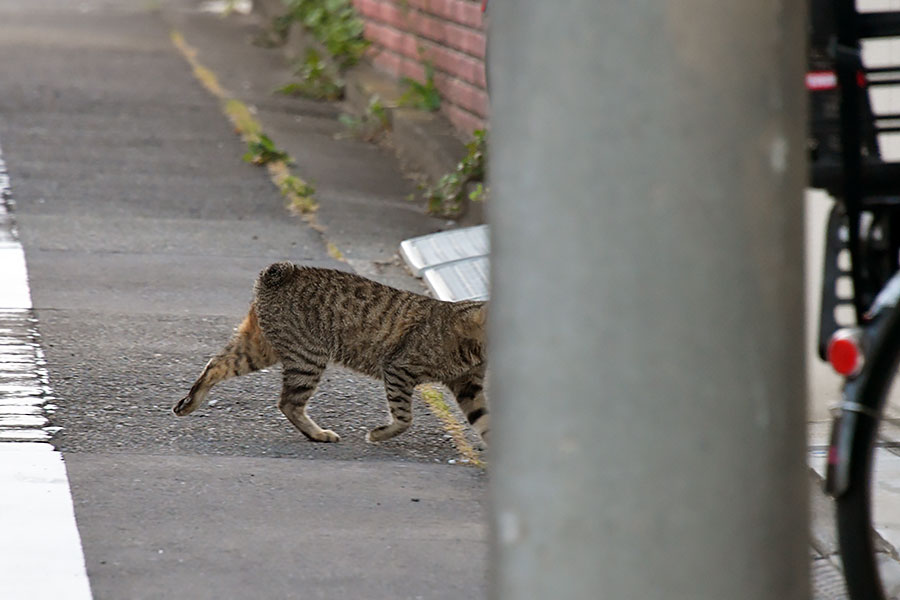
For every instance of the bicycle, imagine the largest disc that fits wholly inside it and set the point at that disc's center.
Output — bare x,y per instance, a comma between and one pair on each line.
846,161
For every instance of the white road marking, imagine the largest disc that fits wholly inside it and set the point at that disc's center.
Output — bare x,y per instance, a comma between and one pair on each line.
41,557
40,551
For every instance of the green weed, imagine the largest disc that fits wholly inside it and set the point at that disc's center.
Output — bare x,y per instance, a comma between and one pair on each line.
371,124
424,96
262,150
334,23
292,185
318,79
447,196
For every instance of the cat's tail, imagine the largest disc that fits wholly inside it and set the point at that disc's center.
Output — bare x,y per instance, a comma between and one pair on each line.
275,274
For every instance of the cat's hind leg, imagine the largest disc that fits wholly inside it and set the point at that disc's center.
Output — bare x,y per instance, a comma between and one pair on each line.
469,392
247,351
398,384
300,378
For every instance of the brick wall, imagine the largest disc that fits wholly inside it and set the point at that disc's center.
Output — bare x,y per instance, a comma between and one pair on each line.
449,33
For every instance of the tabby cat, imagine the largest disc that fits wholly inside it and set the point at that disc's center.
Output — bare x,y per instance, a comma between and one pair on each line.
309,317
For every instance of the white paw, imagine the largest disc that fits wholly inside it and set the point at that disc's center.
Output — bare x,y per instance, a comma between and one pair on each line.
327,435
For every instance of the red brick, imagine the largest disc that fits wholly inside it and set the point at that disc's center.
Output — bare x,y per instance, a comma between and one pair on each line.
464,12
446,32
463,119
463,94
392,39
398,66
385,12
450,61
412,69
461,38
456,64
388,62
453,91
413,21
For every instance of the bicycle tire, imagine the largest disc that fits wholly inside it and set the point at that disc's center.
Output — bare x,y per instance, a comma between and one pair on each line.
854,522
856,536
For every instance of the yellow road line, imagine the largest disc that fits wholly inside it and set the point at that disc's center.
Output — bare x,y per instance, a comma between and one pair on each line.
246,125
250,130
335,252
434,400
206,77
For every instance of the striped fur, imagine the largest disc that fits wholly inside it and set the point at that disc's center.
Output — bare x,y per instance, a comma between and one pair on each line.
307,318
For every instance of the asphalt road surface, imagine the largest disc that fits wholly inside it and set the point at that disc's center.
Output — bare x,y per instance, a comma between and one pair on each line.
143,231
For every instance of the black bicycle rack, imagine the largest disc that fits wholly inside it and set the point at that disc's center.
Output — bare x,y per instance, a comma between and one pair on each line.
846,161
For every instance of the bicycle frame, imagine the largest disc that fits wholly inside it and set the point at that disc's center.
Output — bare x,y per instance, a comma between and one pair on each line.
863,396
865,222
850,168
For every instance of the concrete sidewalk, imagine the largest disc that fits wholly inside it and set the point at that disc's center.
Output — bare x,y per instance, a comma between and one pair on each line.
364,211
245,527
143,231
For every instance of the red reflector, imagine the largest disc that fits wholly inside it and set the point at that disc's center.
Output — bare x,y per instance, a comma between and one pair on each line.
818,81
844,355
832,455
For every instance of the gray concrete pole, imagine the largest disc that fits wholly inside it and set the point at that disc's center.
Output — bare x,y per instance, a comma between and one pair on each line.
647,315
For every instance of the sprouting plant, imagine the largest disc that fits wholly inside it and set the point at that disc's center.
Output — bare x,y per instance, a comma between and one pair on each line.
262,150
424,96
476,155
318,79
371,124
298,193
378,112
447,196
334,23
296,186
477,193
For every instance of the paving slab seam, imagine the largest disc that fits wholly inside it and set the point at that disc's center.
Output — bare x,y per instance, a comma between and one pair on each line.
41,555
240,116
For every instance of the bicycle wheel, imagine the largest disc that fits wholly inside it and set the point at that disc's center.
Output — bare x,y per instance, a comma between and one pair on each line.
871,424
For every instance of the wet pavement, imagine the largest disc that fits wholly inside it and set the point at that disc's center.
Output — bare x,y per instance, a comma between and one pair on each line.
36,504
